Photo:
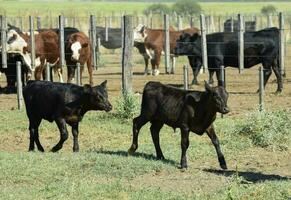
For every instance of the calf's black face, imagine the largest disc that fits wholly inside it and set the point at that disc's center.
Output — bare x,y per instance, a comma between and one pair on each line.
97,97
218,97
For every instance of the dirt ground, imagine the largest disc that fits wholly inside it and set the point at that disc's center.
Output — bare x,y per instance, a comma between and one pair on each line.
241,86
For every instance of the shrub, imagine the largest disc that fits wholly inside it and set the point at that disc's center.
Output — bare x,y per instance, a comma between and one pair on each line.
267,129
127,106
157,9
187,7
269,9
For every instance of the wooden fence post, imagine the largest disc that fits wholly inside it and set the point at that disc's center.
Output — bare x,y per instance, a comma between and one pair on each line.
127,41
38,23
61,40
270,20
231,24
241,42
261,88
93,40
167,43
203,43
78,74
282,40
179,23
32,41
3,41
47,72
19,85
192,24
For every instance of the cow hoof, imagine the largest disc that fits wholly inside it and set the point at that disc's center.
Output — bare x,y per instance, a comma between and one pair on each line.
195,82
160,158
223,166
131,151
279,91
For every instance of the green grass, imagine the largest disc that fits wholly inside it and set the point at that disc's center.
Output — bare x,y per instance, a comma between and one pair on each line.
102,169
14,8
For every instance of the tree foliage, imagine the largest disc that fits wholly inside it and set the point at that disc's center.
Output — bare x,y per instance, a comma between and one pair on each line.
269,9
187,7
157,8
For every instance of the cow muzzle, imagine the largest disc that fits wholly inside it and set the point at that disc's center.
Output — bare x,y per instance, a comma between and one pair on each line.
225,110
108,107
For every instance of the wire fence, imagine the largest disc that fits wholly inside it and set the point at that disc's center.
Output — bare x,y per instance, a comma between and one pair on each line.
242,86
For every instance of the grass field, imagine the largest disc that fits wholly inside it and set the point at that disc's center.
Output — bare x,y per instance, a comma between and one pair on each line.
81,9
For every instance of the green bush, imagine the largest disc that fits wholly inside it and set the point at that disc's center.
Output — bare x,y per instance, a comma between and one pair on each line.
127,106
267,129
269,9
187,7
157,9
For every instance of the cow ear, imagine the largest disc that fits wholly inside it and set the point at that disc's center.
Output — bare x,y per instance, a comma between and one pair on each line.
87,89
85,45
194,37
207,87
193,96
104,83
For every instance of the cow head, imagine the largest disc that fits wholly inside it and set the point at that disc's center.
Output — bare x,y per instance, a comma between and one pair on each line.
15,41
218,98
96,98
188,45
139,33
76,44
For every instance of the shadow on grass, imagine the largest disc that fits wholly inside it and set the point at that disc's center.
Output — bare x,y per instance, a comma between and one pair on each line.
137,155
254,177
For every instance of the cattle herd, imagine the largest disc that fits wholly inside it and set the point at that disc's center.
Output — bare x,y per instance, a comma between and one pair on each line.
190,111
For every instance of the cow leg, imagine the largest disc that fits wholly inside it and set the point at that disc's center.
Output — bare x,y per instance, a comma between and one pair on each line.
211,72
138,122
214,139
61,123
146,61
75,132
34,135
157,63
184,146
195,66
60,74
155,132
90,71
278,75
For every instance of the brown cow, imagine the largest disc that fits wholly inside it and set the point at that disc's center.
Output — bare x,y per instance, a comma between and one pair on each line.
79,51
154,43
46,50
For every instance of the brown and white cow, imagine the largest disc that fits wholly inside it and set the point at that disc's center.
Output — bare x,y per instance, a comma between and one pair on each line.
46,50
78,50
154,43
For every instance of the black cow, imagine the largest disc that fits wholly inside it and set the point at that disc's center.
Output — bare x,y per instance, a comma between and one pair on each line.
188,110
222,49
115,39
249,25
63,103
10,72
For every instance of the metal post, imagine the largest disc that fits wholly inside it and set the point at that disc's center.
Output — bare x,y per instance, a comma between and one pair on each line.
167,43
256,21
222,76
203,43
19,85
185,76
3,41
241,42
219,24
32,41
98,53
106,29
78,74
127,54
282,40
20,23
93,39
173,67
211,24
47,72
61,40
261,89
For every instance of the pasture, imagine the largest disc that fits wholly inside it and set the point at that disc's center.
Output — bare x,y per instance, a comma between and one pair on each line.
257,146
